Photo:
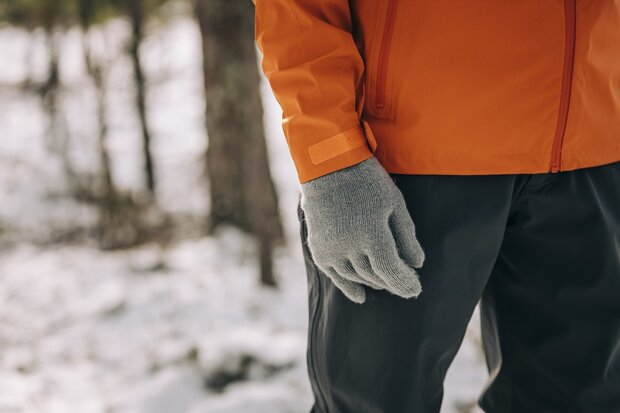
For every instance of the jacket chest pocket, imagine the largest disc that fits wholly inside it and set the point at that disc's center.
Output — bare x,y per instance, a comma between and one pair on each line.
380,66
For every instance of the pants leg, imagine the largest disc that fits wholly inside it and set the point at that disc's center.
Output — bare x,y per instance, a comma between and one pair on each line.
551,310
390,355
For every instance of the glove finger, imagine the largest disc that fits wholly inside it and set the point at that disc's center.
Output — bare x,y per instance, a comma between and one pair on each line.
353,291
400,278
407,244
350,272
362,266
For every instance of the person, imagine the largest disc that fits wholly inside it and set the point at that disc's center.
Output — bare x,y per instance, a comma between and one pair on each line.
494,126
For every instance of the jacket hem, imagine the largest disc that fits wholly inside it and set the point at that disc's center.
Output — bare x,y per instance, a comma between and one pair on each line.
488,164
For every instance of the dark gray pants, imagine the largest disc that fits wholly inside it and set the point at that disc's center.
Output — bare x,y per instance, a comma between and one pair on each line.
542,254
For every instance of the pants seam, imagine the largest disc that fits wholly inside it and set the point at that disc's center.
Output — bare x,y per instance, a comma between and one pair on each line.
508,356
313,319
520,192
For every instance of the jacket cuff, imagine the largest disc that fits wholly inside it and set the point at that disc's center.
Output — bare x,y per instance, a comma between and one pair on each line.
322,156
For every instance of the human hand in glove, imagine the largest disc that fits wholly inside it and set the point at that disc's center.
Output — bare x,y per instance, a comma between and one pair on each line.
360,232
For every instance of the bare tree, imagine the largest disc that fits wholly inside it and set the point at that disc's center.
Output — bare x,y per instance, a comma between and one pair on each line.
53,17
136,14
123,221
242,191
97,72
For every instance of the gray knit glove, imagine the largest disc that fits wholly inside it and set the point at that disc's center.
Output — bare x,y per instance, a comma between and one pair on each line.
360,233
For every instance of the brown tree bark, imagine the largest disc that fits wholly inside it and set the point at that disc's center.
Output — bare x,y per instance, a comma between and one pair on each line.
242,191
51,96
97,72
135,9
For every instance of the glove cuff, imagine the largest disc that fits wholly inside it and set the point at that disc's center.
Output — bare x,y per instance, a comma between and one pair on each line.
366,174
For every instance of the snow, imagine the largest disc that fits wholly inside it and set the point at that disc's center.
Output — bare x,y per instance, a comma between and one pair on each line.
90,331
179,329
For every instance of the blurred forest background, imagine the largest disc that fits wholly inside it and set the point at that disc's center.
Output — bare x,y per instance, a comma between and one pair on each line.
149,257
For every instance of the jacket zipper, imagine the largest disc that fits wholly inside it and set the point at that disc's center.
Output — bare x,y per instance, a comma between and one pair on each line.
384,53
570,18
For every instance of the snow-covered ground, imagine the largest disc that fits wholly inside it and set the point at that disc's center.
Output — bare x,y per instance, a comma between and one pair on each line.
181,330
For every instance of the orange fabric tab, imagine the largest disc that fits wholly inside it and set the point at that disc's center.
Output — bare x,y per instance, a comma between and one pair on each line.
337,145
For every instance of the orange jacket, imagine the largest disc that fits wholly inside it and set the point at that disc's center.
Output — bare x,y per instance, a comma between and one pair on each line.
445,86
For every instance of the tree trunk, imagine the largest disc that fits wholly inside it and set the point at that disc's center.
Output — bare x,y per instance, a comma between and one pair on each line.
96,71
50,92
242,191
136,16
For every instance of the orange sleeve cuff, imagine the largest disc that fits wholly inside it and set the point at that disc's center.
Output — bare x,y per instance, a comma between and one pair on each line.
323,156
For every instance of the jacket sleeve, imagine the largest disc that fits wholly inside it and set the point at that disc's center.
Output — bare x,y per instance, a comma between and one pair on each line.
315,69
